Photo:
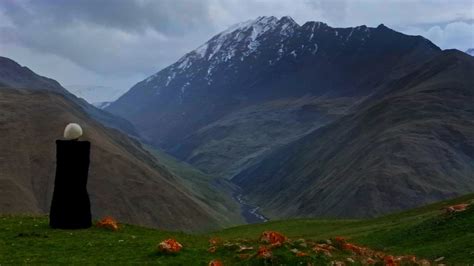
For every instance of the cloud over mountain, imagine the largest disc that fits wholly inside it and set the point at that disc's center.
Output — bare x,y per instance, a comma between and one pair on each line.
115,43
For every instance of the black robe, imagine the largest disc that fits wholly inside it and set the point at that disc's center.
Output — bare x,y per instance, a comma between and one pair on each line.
70,207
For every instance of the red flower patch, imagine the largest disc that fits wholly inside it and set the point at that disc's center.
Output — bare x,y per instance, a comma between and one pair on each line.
212,249
301,254
370,261
354,248
388,259
264,252
214,241
215,263
324,249
245,256
169,246
457,208
108,223
273,238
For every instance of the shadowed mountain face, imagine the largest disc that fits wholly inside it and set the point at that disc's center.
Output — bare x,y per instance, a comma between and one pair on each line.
126,181
262,84
410,143
15,76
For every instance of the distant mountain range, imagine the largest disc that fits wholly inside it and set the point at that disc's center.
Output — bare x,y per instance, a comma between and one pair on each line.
312,120
126,180
470,51
95,93
14,75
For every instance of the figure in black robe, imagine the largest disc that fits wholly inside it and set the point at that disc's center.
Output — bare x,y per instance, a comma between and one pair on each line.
70,207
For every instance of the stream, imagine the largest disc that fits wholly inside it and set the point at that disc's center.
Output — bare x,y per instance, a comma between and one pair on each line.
249,212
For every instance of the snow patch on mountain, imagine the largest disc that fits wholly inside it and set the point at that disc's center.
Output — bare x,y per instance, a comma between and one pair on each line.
249,39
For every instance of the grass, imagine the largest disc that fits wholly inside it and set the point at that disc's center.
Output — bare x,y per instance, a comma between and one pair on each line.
203,187
425,232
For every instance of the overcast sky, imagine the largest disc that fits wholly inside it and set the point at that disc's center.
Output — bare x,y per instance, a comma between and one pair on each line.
116,43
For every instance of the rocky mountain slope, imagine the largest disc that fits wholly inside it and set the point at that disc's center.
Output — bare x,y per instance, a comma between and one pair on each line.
262,84
126,180
409,144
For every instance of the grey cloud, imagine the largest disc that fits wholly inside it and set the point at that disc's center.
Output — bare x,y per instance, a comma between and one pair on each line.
459,35
166,16
108,36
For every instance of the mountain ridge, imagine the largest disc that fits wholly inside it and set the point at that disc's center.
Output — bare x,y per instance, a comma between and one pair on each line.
125,179
408,145
251,65
14,75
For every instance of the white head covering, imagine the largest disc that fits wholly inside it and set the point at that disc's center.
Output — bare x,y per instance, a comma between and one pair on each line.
72,131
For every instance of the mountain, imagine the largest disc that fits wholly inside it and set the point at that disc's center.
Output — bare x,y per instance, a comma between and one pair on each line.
470,51
126,180
14,75
408,144
95,93
262,84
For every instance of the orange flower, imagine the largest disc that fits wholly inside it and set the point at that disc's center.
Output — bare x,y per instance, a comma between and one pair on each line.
169,246
273,238
351,247
457,208
410,258
264,252
320,248
301,254
370,261
214,241
389,260
108,223
340,239
215,263
244,256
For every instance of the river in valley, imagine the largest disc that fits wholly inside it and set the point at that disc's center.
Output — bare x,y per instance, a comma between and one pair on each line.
249,212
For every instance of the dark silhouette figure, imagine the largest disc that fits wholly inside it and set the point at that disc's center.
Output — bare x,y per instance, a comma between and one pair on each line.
70,208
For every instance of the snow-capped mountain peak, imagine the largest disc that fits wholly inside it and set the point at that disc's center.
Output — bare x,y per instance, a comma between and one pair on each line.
236,43
248,31
258,46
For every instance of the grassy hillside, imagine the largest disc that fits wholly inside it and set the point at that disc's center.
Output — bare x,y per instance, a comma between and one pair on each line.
426,232
215,192
243,137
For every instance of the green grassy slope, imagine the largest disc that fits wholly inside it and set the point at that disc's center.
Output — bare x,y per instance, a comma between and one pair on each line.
215,192
426,232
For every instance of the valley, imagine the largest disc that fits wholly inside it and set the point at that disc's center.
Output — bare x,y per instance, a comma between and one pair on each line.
315,121
249,212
